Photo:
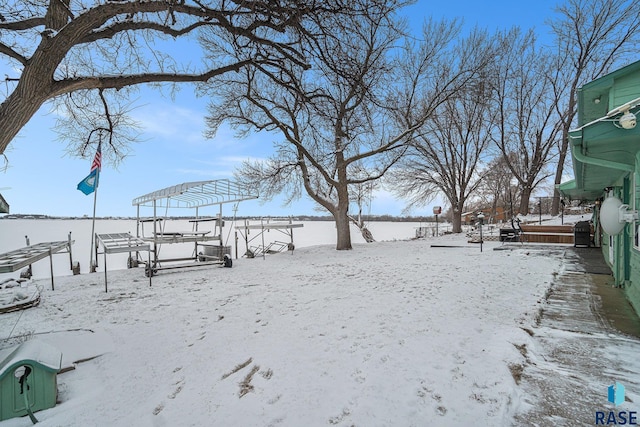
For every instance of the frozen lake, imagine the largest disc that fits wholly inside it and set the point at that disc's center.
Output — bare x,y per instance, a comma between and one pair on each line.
13,233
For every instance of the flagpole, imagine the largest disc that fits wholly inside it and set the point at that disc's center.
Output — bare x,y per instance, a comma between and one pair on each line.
92,264
90,185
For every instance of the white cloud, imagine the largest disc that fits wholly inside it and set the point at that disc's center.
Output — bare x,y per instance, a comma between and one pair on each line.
172,122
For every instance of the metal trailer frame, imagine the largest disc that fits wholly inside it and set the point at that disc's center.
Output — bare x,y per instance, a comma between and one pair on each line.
15,260
285,228
113,243
192,195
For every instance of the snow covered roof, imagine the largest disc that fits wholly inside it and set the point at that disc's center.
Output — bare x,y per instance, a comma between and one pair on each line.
45,355
196,194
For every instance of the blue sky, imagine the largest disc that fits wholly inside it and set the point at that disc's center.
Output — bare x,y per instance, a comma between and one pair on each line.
42,177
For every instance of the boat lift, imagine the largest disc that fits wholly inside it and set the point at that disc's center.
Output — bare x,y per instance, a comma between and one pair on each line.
15,260
194,195
276,246
113,243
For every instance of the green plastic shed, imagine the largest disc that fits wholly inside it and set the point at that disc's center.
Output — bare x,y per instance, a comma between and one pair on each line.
41,362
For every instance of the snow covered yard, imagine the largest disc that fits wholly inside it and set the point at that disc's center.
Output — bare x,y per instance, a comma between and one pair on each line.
389,334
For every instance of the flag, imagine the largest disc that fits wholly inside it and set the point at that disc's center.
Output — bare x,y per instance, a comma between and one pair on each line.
90,183
97,159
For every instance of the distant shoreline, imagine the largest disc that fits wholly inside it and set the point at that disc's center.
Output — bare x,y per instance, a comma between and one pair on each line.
368,218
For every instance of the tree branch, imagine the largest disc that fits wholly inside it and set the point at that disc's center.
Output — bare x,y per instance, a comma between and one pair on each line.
117,28
25,24
118,82
6,50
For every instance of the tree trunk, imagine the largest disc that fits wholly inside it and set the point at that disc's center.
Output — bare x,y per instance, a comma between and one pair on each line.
456,220
15,112
456,215
343,230
524,200
562,155
555,207
34,87
342,209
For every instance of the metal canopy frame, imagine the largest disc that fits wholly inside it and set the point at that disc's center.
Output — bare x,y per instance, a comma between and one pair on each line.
193,195
196,194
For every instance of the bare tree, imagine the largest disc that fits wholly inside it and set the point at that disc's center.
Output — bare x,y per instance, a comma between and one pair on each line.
334,122
81,53
527,105
591,37
496,190
444,157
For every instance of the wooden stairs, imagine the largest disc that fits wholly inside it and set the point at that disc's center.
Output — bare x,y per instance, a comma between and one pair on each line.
547,233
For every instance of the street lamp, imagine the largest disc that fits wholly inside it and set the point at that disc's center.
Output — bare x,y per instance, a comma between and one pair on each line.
480,217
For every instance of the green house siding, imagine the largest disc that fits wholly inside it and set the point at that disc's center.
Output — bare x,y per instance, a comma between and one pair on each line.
606,162
626,242
633,285
608,249
624,90
622,251
632,288
613,245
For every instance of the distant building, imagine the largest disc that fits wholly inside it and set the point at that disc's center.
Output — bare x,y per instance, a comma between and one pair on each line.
490,217
605,149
